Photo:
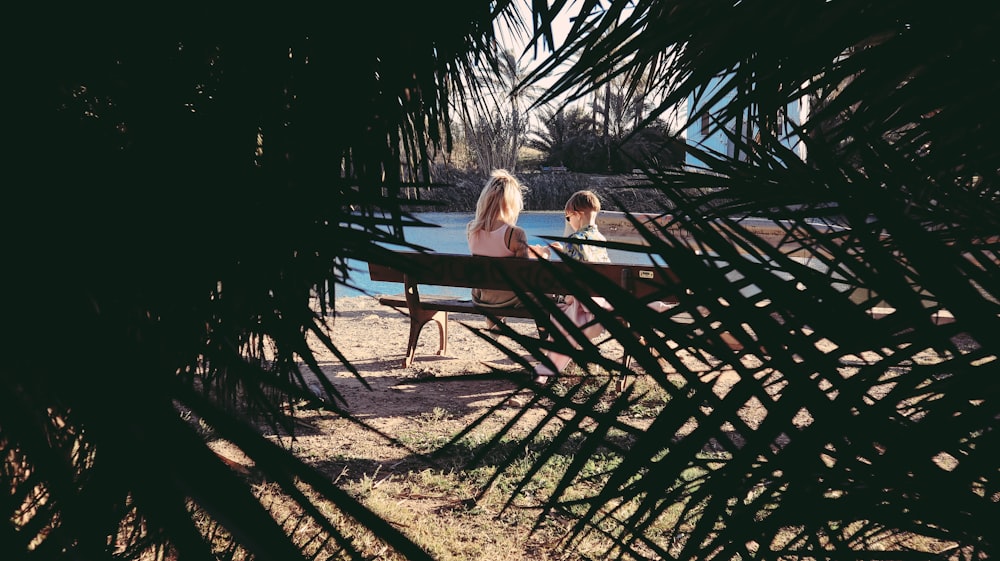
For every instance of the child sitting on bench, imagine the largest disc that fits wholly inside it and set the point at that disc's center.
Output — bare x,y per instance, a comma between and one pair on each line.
581,215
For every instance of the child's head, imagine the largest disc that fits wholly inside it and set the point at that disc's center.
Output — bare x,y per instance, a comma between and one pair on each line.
501,200
584,202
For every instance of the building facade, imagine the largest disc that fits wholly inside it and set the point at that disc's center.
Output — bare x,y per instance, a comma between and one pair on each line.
706,134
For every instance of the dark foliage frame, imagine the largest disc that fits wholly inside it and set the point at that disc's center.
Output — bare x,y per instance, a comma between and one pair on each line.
183,190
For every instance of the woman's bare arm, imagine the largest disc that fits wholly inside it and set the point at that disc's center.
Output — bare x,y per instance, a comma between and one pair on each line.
518,242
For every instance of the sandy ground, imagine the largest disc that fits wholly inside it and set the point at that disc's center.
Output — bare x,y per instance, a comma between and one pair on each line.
436,395
392,400
427,403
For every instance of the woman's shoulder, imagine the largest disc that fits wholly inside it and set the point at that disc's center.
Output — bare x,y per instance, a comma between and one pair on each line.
515,232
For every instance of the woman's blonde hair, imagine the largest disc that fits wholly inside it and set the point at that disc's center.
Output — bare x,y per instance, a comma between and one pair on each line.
500,201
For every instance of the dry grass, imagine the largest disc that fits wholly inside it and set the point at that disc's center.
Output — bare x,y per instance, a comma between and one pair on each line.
422,482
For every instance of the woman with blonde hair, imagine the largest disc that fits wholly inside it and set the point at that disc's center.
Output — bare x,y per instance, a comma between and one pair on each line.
494,232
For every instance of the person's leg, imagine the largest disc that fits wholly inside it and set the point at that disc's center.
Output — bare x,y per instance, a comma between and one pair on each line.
542,372
579,315
493,327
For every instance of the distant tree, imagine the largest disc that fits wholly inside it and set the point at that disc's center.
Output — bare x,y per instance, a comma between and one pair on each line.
653,146
622,106
495,120
622,111
566,138
490,140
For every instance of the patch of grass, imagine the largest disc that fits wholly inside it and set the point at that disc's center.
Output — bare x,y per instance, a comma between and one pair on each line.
436,415
485,499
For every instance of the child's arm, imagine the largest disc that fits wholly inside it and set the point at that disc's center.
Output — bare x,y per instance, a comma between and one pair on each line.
575,250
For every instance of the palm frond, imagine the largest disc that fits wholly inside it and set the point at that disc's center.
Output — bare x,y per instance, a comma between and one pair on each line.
200,182
855,413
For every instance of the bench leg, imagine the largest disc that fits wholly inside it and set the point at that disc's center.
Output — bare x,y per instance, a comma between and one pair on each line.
442,322
417,322
623,379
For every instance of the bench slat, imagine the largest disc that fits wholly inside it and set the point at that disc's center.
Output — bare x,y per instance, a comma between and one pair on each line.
474,271
454,305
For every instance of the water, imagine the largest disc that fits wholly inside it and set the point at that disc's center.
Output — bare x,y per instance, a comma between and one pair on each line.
449,237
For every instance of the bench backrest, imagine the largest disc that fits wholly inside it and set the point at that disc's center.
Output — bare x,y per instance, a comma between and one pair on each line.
784,235
552,277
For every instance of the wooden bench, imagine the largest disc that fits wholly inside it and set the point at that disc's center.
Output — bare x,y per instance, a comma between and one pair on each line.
529,275
544,277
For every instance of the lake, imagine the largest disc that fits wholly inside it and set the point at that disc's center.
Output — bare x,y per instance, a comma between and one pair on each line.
449,237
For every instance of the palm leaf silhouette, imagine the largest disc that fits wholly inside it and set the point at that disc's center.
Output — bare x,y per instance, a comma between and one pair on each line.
856,414
190,188
196,183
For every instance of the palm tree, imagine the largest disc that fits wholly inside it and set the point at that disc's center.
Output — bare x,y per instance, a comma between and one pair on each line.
881,421
185,188
563,135
496,120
